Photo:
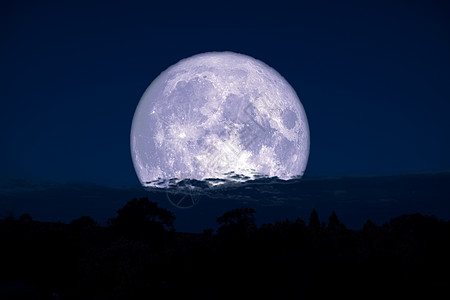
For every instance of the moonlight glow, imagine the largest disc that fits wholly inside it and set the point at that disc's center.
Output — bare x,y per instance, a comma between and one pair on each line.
219,115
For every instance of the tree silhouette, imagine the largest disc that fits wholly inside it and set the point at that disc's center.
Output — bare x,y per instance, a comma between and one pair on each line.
334,224
82,223
130,260
314,222
242,216
25,218
141,217
239,220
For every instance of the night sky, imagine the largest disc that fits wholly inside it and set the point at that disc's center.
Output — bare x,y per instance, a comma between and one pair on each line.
373,77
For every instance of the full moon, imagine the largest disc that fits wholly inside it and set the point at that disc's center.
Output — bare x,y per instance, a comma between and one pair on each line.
221,116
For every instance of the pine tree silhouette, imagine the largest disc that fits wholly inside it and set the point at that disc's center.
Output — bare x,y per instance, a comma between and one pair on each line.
314,222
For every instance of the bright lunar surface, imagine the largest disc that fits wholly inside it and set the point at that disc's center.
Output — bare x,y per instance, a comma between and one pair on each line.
219,115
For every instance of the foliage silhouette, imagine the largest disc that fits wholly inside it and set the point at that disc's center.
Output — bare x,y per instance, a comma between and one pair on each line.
142,218
25,218
334,224
314,222
83,224
237,221
286,259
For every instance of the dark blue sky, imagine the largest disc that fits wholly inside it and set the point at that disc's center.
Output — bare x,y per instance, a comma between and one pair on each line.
373,77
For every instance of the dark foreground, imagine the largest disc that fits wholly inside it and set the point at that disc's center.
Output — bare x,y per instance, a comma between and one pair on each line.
140,256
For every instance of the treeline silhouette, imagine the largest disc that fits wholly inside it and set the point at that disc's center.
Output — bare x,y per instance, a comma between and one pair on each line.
139,255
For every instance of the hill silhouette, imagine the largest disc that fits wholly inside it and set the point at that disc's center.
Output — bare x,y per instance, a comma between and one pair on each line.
139,255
